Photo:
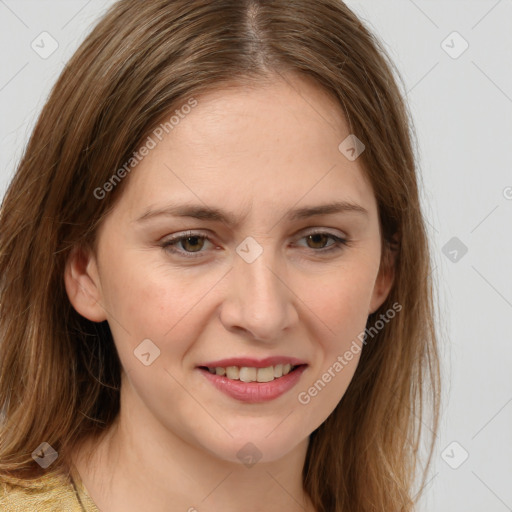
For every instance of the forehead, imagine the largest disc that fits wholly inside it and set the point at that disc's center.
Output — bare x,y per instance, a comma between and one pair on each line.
258,146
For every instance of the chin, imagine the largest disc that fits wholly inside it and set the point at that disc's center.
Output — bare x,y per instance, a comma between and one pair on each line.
248,448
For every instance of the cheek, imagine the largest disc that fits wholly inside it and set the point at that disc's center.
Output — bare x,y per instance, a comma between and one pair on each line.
340,312
340,301
148,300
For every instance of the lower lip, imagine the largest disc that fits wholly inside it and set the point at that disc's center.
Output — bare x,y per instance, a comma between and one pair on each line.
254,392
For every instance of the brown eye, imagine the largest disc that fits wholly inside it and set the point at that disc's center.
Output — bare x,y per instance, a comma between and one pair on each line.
188,244
319,240
192,243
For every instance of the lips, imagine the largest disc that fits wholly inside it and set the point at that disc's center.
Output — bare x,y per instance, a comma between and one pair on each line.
254,380
253,363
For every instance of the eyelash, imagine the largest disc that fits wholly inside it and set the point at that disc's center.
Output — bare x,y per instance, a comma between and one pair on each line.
339,243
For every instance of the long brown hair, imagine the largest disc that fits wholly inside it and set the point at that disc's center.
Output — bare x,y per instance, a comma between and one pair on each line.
60,373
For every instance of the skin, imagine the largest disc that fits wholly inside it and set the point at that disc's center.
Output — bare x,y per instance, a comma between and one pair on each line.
255,152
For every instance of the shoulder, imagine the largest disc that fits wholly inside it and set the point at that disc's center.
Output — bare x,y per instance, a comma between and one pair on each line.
49,493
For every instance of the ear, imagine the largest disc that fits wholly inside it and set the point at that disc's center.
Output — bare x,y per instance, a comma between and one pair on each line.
83,284
386,276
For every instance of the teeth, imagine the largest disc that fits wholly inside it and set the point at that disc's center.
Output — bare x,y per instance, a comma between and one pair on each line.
233,372
265,374
278,370
249,374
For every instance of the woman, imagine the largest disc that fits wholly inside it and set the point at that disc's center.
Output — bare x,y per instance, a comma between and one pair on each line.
215,286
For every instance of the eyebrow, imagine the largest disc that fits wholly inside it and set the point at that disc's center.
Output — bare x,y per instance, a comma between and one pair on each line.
217,215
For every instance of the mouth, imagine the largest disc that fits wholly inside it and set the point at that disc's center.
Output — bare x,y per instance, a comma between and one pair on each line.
253,381
252,373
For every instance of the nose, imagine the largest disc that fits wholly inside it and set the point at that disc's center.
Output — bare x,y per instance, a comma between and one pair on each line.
258,300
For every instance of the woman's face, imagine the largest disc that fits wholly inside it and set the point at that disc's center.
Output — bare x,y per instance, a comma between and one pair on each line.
260,282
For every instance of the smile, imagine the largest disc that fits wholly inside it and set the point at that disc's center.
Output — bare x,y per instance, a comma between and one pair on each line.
252,374
252,381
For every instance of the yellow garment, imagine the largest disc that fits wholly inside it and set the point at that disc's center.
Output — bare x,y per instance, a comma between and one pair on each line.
48,493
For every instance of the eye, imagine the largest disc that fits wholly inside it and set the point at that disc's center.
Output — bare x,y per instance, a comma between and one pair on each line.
318,240
190,243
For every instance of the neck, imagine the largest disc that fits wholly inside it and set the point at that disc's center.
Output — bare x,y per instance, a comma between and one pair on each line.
140,465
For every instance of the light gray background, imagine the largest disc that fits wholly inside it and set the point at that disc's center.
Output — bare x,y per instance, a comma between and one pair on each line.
462,108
